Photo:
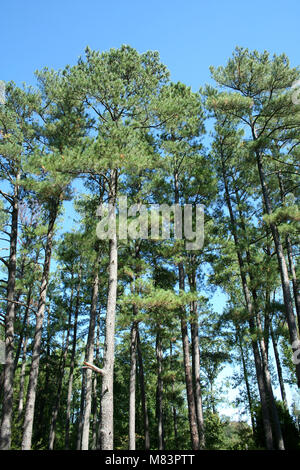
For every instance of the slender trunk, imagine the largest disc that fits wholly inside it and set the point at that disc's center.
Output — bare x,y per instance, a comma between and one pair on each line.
132,382
107,405
80,418
22,372
89,357
289,249
189,386
267,377
198,393
7,403
285,282
143,394
186,349
257,359
246,378
279,369
95,385
159,391
72,362
65,348
21,338
174,411
34,370
263,335
196,362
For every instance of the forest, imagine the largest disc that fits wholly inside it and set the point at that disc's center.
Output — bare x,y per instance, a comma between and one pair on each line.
121,339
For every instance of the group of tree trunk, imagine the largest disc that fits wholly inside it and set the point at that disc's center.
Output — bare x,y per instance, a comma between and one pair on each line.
114,341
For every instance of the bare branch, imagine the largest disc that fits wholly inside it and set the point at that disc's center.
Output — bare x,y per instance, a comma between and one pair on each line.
88,365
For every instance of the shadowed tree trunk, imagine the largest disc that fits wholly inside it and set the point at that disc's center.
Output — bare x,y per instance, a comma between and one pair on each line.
159,391
285,282
186,349
143,394
7,403
132,382
250,308
23,369
174,411
34,370
279,369
61,372
89,357
72,362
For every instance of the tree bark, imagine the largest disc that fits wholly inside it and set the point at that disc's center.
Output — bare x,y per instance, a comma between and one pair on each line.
285,282
174,411
7,404
72,362
246,377
159,391
279,369
23,370
34,370
61,372
251,314
198,393
89,356
186,349
143,393
289,249
132,382
107,406
196,362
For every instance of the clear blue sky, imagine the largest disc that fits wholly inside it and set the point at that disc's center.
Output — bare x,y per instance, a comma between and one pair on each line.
190,35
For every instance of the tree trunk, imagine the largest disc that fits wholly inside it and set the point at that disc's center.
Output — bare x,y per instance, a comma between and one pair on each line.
72,362
257,359
285,282
196,363
132,382
289,249
89,357
246,378
279,369
34,370
174,411
262,334
186,349
61,376
159,391
23,370
198,393
143,394
107,405
80,418
7,404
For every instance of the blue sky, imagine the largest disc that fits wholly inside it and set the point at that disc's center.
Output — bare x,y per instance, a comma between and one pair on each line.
190,35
